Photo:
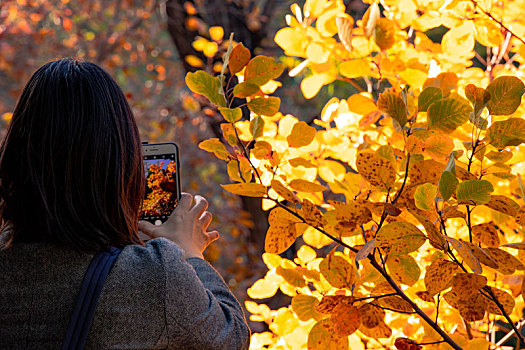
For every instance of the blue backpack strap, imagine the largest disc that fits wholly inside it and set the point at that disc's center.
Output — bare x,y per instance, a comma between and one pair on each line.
87,298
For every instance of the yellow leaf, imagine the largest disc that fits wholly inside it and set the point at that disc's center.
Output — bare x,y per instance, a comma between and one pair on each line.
293,41
337,271
264,288
344,30
487,234
216,33
384,33
487,32
399,237
376,170
282,191
326,23
303,306
439,274
459,41
312,215
346,319
282,232
507,263
330,170
355,68
504,298
438,146
239,58
361,104
306,186
216,146
311,85
194,61
302,135
315,238
323,336
425,196
317,52
251,189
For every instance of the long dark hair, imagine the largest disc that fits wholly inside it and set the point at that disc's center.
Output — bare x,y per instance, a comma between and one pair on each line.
71,168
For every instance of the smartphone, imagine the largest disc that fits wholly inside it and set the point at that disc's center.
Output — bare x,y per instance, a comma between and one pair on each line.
161,169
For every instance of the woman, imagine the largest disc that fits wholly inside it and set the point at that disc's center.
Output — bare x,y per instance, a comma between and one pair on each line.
71,183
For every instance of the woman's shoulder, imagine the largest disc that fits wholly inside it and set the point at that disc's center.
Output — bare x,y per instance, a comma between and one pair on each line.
156,253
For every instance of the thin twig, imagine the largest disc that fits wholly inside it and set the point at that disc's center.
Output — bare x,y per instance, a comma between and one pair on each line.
507,336
497,21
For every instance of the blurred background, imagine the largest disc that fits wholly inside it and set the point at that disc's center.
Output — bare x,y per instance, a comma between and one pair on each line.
148,46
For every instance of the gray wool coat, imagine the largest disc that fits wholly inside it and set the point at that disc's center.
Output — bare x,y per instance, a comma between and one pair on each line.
153,299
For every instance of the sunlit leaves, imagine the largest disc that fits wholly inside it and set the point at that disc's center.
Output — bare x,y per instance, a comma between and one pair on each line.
337,271
261,70
506,92
251,189
404,269
344,31
459,40
447,184
474,192
239,58
324,336
425,195
355,68
448,114
282,231
392,104
510,132
231,114
439,274
203,83
369,19
384,33
257,126
302,135
284,192
306,186
375,169
399,238
265,105
487,234
428,96
216,146
505,299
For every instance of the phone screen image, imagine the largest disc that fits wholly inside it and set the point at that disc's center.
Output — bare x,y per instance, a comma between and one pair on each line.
162,190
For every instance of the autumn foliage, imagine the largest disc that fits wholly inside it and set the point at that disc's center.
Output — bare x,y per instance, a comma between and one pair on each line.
404,200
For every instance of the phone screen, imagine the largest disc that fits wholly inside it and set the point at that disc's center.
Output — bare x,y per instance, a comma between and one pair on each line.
162,192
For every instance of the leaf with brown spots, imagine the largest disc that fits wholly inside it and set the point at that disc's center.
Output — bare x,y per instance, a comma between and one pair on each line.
471,309
375,169
380,331
346,319
282,231
481,255
425,171
337,271
406,344
399,237
436,239
312,215
329,302
425,296
323,336
505,299
503,204
507,263
467,284
371,316
487,234
520,216
438,275
404,269
282,191
395,303
465,253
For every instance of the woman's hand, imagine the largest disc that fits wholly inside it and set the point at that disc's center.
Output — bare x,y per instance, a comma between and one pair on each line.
186,226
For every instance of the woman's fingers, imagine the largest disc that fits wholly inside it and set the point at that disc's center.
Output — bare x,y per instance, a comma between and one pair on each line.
205,220
201,204
148,228
184,202
212,236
